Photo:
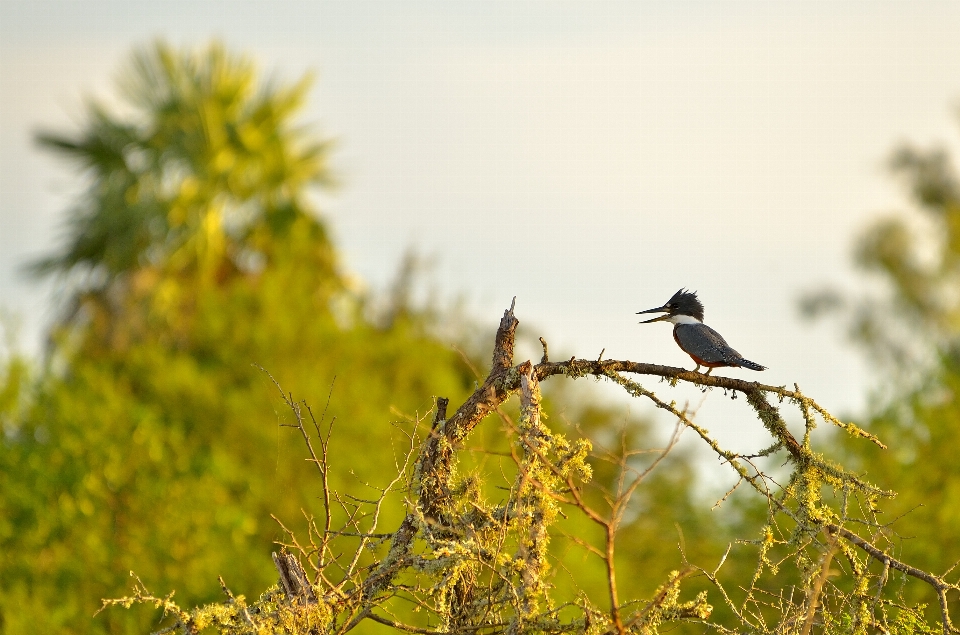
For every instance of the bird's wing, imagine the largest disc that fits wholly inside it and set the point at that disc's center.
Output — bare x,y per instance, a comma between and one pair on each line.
702,342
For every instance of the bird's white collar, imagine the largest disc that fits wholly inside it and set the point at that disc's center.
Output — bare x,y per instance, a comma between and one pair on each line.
682,319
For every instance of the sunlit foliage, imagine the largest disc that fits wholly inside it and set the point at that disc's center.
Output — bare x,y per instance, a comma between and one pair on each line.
150,442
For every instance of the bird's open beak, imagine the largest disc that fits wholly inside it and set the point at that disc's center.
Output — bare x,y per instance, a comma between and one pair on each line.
659,309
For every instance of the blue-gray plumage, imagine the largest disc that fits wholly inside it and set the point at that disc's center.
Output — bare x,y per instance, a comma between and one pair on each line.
707,347
699,341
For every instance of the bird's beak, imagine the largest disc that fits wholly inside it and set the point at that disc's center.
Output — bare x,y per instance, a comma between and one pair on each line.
659,309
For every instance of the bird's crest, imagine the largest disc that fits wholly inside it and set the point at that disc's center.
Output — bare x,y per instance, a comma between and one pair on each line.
686,303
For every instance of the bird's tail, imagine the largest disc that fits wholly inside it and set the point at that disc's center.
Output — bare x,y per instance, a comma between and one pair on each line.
746,363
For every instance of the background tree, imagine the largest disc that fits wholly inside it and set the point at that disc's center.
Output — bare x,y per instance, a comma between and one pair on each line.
148,441
910,329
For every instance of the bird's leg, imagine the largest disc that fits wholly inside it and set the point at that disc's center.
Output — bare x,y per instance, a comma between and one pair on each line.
708,371
697,369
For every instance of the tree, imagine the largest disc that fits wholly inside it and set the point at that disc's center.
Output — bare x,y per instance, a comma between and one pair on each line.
208,160
193,254
473,561
911,329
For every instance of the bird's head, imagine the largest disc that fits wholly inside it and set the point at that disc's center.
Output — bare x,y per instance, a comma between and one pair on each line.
683,302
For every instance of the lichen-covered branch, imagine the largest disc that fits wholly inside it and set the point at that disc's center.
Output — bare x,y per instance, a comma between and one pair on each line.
481,567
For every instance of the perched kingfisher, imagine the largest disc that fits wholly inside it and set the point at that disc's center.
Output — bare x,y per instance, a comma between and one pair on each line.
699,341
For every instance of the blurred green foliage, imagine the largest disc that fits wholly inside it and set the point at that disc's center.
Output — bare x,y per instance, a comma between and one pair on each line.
148,441
910,328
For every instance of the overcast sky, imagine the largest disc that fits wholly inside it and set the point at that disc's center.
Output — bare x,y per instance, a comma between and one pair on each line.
588,157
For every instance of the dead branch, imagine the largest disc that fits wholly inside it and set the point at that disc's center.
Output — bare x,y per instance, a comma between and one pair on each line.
293,578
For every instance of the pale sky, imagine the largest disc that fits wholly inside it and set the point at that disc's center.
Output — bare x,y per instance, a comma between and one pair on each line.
588,157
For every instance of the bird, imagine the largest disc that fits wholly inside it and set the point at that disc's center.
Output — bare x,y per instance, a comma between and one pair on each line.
707,347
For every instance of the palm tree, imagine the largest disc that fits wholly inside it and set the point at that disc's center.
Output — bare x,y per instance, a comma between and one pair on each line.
203,159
